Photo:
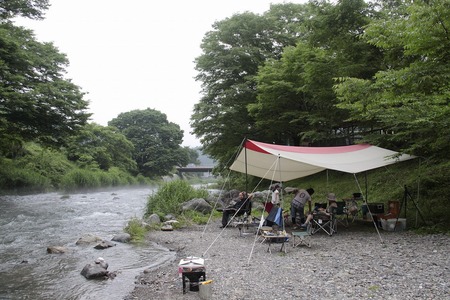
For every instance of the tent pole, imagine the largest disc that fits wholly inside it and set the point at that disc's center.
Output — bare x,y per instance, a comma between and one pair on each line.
367,192
246,173
365,201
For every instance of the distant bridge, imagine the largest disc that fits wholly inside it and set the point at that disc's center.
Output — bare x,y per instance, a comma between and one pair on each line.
196,169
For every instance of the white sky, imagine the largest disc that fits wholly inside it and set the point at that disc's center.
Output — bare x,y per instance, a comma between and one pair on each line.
137,54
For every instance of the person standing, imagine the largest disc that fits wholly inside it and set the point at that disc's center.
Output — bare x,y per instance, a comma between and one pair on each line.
273,207
276,194
298,205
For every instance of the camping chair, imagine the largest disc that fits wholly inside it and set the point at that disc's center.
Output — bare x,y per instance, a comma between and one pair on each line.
351,207
300,238
341,214
243,219
325,222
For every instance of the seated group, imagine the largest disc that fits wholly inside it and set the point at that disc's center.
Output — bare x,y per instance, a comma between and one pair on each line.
241,206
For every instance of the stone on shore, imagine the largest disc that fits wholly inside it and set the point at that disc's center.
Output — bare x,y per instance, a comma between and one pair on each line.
122,238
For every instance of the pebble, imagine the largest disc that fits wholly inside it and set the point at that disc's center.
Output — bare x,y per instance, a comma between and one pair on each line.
355,263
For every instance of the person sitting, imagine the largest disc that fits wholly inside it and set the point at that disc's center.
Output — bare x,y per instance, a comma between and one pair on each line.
331,197
237,209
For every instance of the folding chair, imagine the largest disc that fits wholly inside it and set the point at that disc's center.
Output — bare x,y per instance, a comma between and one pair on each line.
351,207
341,214
302,238
325,222
243,218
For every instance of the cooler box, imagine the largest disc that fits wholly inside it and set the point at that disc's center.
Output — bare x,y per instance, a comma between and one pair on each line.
393,224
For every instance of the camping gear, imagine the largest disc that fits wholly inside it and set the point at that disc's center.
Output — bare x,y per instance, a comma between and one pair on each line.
393,224
192,268
393,210
258,158
324,222
300,238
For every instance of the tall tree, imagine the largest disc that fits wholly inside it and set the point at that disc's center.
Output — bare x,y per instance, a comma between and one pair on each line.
296,102
157,142
101,147
295,97
232,54
36,102
410,100
32,9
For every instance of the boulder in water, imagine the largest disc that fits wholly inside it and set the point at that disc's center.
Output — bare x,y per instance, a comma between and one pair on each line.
98,269
104,245
56,249
88,239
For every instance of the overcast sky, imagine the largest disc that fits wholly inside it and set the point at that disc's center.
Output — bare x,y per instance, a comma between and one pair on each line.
137,54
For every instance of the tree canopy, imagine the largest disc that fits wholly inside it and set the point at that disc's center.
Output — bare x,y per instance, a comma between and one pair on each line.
274,80
32,9
232,53
100,147
156,141
37,103
409,99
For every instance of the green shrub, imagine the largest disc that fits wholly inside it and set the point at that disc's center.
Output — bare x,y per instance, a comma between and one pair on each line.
136,230
13,178
80,179
169,197
119,177
194,217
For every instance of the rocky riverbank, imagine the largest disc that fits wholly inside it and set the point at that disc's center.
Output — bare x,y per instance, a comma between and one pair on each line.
355,263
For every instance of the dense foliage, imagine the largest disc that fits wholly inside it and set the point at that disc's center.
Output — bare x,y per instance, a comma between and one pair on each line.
325,73
320,73
408,99
331,73
36,102
156,141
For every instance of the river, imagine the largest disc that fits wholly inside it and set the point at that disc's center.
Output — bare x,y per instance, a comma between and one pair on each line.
31,223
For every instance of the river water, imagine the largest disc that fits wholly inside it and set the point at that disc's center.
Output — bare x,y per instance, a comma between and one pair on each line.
29,224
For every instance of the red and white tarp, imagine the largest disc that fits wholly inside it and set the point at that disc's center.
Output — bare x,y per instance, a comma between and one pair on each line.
284,163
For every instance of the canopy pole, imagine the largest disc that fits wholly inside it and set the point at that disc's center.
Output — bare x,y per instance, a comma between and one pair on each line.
366,183
246,170
327,182
281,192
365,201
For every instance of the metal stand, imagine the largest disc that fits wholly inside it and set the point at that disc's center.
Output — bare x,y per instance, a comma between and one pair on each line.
404,201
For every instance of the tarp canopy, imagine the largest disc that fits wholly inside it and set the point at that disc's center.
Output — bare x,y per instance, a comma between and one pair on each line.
284,163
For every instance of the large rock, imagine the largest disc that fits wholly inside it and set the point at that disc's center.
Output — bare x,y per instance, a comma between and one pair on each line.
153,219
88,239
98,269
197,204
122,238
104,245
56,250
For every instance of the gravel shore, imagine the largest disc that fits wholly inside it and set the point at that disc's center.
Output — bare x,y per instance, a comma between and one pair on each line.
355,263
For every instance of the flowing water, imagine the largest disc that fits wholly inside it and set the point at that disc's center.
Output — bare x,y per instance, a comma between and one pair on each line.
29,224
